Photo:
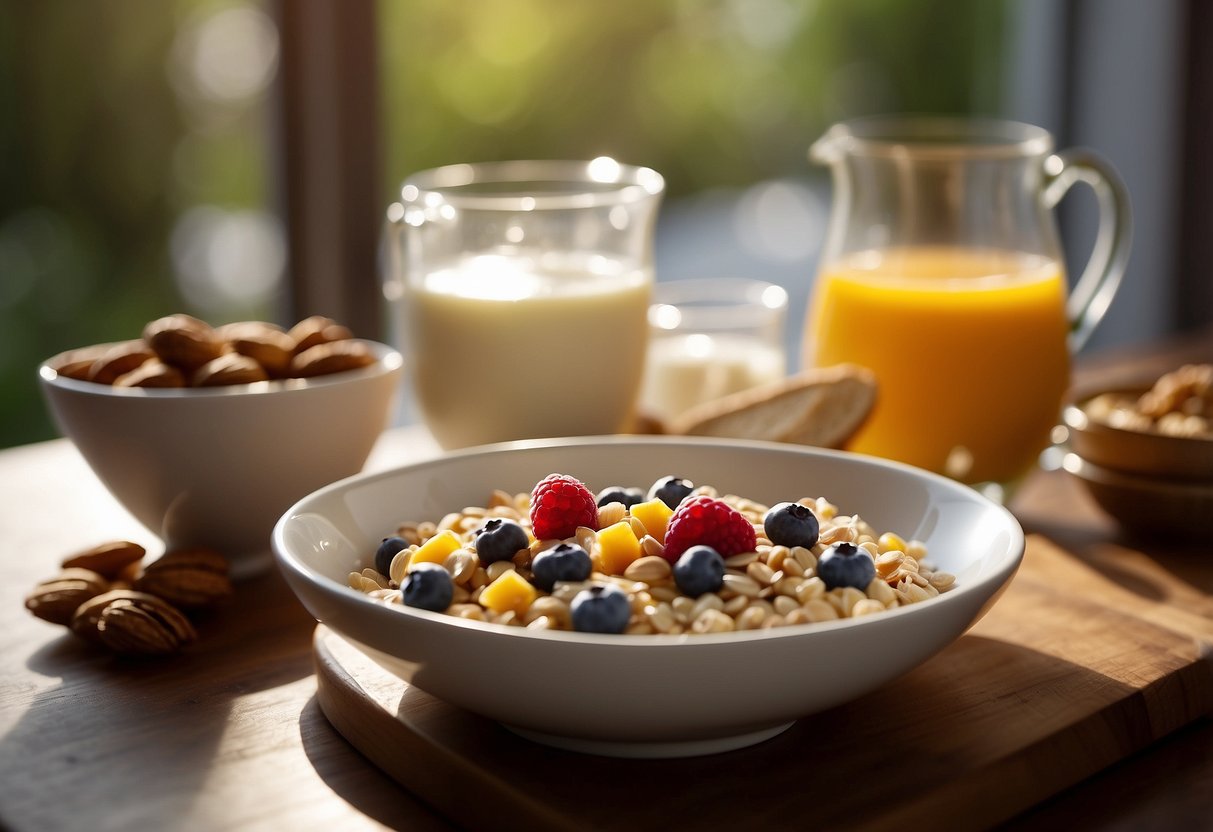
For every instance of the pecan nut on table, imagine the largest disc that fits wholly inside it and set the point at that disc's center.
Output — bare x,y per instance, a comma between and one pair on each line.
106,596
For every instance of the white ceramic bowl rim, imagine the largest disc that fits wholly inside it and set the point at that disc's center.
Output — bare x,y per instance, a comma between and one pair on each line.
1009,560
386,360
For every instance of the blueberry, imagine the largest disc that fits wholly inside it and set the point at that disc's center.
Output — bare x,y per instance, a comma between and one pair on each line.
700,569
499,539
671,490
791,524
845,564
601,609
618,494
386,551
427,586
564,562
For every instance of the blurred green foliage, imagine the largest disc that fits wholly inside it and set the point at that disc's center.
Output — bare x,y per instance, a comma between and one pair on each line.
87,141
708,92
102,155
100,159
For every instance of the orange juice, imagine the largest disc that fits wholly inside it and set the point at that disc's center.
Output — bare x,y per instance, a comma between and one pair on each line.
968,346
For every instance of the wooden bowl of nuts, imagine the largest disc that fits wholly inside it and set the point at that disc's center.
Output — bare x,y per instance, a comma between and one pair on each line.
207,434
1145,453
833,574
1164,429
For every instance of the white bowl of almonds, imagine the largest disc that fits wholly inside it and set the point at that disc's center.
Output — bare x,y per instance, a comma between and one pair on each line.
207,434
561,587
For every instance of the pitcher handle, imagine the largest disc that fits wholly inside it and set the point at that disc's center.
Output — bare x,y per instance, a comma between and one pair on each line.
1100,279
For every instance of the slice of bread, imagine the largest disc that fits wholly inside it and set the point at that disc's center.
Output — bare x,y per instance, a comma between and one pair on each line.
823,407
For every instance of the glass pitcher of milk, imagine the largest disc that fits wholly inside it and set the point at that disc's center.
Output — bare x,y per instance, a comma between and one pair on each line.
522,292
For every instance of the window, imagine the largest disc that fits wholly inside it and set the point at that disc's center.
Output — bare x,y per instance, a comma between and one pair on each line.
136,182
233,158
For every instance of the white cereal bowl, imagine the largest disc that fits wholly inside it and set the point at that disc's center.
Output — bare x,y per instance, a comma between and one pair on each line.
217,466
648,695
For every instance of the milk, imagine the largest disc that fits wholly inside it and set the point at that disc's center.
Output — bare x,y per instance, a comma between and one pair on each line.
686,369
512,346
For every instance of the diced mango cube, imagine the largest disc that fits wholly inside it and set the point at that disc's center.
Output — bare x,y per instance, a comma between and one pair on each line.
436,548
509,592
655,515
617,547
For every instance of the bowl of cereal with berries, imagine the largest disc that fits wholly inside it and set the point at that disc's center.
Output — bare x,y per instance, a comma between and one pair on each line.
207,434
648,595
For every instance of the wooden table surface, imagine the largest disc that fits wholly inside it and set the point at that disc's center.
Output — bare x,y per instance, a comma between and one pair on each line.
229,735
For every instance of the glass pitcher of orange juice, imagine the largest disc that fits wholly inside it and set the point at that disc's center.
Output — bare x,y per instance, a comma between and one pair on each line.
942,273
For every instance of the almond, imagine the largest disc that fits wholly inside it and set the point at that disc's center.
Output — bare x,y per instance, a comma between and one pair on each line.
78,369
151,373
229,368
246,329
317,330
182,341
109,560
84,620
118,360
77,363
56,599
142,626
272,350
188,578
332,357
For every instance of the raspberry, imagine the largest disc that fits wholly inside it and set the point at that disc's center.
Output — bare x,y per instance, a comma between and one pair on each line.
559,504
704,521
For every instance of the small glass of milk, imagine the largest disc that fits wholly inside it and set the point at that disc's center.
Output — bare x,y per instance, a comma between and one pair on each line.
709,337
521,291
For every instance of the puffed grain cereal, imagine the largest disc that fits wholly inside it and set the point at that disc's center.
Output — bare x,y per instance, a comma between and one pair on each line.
770,586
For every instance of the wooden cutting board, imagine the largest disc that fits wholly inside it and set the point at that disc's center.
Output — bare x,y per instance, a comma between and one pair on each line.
1078,665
